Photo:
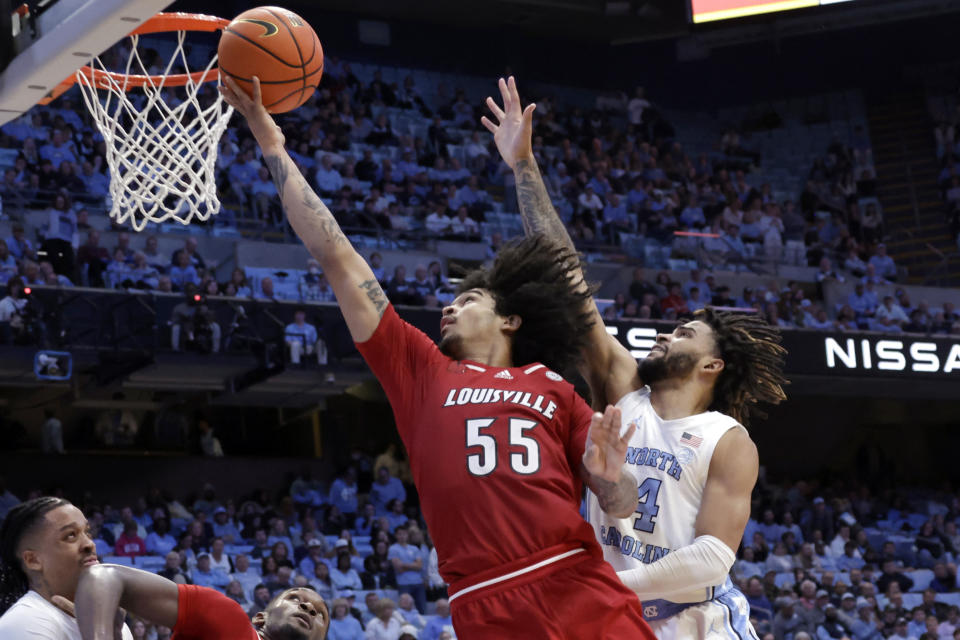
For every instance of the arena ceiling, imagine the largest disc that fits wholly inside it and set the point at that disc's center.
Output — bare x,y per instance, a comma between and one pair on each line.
627,21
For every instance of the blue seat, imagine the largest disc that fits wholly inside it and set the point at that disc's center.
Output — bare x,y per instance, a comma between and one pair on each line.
921,579
122,560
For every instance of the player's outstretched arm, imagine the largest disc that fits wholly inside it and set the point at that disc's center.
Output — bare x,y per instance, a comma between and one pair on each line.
606,365
361,299
103,588
603,462
723,515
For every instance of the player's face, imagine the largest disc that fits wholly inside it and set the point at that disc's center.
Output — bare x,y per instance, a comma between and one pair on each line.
679,354
61,549
470,319
296,614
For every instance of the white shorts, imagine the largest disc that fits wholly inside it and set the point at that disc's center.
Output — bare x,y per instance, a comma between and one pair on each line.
726,617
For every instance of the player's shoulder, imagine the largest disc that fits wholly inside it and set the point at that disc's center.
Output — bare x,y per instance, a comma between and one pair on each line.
538,373
38,617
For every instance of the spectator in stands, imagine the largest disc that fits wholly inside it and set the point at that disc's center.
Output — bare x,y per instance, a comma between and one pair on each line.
92,260
154,259
118,273
440,623
406,607
301,339
243,574
893,574
242,174
890,316
18,244
343,492
8,264
384,626
343,626
261,599
205,576
343,575
51,278
59,150
884,265
264,200
142,274
944,578
190,246
183,273
399,288
674,300
159,542
129,544
408,565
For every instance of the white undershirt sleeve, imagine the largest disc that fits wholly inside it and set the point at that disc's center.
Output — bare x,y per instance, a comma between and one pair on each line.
705,563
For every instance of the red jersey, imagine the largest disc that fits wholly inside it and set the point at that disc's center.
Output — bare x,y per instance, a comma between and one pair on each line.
206,614
495,453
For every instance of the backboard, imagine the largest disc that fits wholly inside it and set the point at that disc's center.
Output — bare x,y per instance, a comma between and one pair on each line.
69,34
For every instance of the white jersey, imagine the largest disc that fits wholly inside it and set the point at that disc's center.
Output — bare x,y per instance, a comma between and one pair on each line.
670,459
34,618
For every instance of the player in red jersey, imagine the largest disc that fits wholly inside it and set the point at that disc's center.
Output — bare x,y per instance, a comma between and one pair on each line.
194,613
496,450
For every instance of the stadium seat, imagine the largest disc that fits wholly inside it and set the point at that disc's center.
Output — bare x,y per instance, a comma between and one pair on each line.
784,580
921,579
122,560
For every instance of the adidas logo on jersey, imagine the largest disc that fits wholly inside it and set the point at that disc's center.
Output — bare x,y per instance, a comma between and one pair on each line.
504,375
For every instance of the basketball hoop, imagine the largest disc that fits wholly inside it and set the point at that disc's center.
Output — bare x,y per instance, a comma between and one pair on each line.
162,157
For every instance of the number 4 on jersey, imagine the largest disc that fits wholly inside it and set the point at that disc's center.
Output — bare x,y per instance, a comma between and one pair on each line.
647,506
484,462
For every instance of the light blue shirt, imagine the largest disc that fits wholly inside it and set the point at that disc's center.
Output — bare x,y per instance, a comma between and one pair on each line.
160,545
382,494
347,628
293,332
344,496
436,626
408,554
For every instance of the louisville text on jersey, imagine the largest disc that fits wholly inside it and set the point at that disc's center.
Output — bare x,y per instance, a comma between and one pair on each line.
468,395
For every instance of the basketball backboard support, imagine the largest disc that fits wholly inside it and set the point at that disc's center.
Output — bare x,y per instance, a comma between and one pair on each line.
70,33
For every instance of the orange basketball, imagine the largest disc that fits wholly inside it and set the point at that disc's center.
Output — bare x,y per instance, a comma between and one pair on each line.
277,46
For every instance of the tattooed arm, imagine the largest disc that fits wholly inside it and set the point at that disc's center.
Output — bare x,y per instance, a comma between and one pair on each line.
361,299
606,365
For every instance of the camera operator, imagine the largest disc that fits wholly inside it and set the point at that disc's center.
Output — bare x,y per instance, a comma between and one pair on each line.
195,323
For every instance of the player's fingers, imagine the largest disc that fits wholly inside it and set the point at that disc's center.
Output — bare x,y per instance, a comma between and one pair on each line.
528,112
625,440
495,109
512,88
505,94
256,91
485,121
64,605
591,456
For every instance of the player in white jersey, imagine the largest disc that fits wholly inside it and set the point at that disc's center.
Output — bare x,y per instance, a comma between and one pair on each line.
689,401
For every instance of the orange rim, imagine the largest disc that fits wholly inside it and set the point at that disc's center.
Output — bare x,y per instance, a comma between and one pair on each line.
160,23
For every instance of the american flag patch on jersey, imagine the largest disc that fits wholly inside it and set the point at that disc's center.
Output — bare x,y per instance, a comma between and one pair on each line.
690,439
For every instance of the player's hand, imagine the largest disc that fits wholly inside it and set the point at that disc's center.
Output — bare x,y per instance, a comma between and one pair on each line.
606,452
513,132
68,608
261,123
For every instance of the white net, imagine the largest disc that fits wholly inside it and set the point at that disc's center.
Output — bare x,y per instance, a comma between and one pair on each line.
161,143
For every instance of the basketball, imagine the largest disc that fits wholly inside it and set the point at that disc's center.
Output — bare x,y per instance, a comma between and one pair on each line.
277,46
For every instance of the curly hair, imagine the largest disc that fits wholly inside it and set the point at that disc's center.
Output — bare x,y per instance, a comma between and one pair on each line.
534,279
753,363
19,521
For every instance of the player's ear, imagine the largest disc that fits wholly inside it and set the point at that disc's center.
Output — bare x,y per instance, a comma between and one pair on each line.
259,620
31,560
512,323
714,366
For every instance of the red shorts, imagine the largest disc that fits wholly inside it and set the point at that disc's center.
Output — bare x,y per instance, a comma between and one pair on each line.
576,598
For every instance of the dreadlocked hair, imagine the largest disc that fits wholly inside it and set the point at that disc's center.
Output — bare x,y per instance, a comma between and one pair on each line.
21,519
534,278
753,363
